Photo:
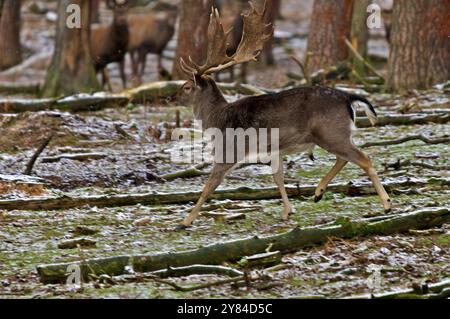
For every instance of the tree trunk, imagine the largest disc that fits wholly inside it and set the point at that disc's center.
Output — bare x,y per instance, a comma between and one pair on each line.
420,46
95,11
10,49
71,70
192,35
273,7
359,34
330,25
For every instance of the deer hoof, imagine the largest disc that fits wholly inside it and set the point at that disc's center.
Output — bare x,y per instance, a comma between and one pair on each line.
317,198
181,227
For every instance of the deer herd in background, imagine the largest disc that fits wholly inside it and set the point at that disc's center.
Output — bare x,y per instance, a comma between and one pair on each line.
147,32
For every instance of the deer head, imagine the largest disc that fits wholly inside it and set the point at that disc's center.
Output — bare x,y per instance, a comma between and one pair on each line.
201,88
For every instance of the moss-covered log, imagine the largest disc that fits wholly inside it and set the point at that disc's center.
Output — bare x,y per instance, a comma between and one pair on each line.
243,193
76,103
218,253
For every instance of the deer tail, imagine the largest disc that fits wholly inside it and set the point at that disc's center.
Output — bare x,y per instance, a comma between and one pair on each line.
368,108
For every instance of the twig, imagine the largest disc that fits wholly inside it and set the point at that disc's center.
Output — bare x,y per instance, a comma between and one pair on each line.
359,57
420,137
35,156
303,66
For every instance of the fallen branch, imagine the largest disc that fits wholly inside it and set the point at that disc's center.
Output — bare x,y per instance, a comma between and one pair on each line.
440,290
188,173
243,193
234,250
421,137
399,164
197,270
35,156
74,157
414,119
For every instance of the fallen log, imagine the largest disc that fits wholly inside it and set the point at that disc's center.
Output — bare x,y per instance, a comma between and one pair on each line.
420,137
243,193
14,88
218,253
411,119
76,103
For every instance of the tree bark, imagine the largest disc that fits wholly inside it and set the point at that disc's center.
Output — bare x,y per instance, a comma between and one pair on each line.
234,250
192,34
95,11
330,26
420,46
359,34
72,70
10,49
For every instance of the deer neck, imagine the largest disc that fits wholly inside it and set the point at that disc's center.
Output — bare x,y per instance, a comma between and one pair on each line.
208,104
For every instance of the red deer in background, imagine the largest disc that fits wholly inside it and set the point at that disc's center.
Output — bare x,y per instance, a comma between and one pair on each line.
109,43
150,33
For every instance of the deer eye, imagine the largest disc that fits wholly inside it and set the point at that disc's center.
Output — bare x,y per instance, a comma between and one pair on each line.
187,89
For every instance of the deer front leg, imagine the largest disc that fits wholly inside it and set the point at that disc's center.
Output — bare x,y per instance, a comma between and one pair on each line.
320,190
123,75
217,175
278,176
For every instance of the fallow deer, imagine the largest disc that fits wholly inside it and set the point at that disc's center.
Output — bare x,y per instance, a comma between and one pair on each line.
304,116
109,42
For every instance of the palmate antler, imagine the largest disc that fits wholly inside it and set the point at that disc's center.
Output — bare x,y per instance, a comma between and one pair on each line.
255,33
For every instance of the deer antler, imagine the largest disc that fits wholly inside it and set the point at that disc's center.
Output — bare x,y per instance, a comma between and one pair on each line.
255,34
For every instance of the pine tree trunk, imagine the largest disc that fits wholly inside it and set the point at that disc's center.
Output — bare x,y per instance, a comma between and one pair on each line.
330,25
273,7
10,49
95,11
420,46
359,33
71,70
192,34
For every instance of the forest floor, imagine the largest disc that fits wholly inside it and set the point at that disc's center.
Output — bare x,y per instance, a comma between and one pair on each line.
130,149
132,165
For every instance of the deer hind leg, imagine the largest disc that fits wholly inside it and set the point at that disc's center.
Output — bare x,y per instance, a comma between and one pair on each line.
217,175
105,79
320,190
352,154
278,176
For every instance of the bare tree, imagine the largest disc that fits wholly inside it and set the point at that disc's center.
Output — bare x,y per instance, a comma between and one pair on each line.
192,40
71,70
330,25
10,49
420,46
